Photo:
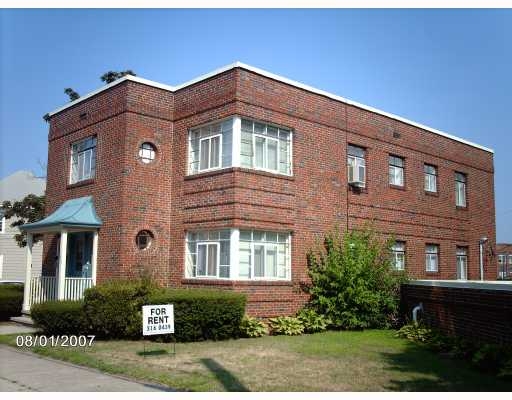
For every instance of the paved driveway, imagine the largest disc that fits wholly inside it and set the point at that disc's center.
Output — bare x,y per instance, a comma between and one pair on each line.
20,371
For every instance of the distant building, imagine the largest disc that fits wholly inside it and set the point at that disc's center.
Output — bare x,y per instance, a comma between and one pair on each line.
504,252
12,257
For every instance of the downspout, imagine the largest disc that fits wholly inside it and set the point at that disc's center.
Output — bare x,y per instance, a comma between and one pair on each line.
482,242
415,310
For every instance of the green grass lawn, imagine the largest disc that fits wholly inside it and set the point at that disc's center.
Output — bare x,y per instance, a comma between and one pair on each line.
372,360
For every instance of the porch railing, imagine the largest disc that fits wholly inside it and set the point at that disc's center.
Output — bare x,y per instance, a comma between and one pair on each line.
45,288
74,287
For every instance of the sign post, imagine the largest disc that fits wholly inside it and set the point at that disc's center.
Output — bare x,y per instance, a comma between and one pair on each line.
158,320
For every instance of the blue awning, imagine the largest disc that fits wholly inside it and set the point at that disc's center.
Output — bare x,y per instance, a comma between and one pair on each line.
75,213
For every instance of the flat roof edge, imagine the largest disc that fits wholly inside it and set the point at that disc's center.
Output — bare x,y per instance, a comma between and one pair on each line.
274,77
483,285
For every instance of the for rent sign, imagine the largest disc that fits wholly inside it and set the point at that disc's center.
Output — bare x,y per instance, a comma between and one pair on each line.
157,319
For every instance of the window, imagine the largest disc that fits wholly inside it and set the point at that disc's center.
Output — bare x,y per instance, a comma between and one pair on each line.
237,142
356,165
501,259
2,222
83,160
460,189
265,146
432,258
144,239
510,260
238,254
210,146
1,265
264,255
147,152
430,178
462,263
208,254
398,259
396,171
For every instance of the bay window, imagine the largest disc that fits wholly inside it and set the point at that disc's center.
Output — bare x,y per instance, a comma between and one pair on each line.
238,255
83,160
240,142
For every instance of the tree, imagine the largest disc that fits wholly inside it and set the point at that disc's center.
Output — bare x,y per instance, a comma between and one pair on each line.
111,76
72,94
353,282
30,209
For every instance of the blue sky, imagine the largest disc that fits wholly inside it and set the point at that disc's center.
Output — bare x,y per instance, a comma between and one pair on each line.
449,69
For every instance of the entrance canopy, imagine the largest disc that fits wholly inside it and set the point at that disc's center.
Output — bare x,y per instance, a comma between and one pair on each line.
75,214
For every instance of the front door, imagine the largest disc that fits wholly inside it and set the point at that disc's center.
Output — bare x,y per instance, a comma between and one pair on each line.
79,255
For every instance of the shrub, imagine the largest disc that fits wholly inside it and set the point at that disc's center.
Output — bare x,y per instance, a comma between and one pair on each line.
202,314
352,281
312,321
286,326
252,327
114,309
60,317
11,301
416,332
491,358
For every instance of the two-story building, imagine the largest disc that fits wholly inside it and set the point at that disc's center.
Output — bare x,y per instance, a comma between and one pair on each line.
228,180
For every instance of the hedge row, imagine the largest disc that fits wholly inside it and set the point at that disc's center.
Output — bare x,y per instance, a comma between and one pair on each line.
114,311
11,301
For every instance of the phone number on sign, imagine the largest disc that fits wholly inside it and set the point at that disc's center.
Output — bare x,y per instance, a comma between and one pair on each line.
55,341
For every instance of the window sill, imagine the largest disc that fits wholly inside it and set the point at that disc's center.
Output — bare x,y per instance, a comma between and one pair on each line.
462,208
227,170
397,187
80,183
233,282
433,194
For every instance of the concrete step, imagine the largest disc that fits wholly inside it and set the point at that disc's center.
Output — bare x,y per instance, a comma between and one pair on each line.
23,320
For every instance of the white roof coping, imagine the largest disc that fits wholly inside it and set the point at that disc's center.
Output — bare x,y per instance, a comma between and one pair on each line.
271,76
486,285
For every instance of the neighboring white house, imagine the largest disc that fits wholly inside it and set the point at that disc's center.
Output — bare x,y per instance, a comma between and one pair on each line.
12,257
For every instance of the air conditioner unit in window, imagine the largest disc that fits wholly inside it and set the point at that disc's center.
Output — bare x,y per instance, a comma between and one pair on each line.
356,183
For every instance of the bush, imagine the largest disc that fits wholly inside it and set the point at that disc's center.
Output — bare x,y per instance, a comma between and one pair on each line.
492,358
252,327
11,301
416,332
60,317
202,314
312,321
286,326
352,281
114,309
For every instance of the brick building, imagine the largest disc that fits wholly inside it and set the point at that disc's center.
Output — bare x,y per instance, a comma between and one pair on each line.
504,255
227,181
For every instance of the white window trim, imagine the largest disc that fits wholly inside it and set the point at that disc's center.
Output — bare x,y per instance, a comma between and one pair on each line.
357,163
395,257
88,151
219,135
234,252
265,153
395,168
217,267
429,256
2,225
460,257
236,147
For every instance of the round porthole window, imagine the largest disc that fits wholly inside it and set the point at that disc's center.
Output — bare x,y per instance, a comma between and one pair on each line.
143,240
147,152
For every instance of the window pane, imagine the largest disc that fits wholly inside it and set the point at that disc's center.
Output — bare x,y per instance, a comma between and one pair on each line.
201,260
271,236
204,154
271,262
281,261
272,154
259,156
244,260
212,259
355,151
214,151
259,263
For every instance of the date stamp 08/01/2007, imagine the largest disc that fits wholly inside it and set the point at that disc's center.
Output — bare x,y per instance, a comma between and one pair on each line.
54,341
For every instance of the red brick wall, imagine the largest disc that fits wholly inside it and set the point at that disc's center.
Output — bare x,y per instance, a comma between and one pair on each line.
480,314
131,196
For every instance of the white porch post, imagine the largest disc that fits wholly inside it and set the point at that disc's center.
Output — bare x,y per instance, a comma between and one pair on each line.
28,275
61,278
94,256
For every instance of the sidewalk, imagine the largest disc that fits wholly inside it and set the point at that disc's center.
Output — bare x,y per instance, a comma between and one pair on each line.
23,371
